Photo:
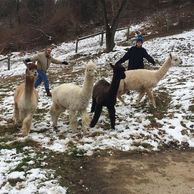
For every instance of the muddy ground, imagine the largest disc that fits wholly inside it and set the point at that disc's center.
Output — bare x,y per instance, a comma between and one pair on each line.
167,172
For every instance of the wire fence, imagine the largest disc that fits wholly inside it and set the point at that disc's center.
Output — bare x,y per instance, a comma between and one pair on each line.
101,36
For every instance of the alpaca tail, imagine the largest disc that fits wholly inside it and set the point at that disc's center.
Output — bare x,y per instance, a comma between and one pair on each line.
93,104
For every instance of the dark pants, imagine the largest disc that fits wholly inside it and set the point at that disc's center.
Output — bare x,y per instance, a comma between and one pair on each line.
42,77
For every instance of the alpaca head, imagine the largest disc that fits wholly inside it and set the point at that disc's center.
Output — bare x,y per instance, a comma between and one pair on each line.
90,70
175,60
118,71
31,70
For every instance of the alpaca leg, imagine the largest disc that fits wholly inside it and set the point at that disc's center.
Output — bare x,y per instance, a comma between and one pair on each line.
22,116
85,120
26,124
73,120
55,112
16,114
93,104
96,116
121,99
120,93
151,97
111,111
141,95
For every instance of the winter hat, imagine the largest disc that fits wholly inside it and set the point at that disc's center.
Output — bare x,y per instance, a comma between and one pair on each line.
139,38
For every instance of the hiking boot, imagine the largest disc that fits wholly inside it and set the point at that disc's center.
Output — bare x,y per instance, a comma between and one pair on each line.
48,93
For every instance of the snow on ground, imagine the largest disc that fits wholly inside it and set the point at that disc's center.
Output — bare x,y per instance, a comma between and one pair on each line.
35,180
137,127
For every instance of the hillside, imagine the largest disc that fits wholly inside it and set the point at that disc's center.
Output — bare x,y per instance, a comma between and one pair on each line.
138,128
33,24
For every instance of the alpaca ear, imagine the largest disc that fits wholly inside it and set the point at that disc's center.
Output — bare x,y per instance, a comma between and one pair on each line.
27,71
111,65
170,55
31,65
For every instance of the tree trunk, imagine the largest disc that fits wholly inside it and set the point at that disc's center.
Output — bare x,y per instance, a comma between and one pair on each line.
111,28
17,11
110,44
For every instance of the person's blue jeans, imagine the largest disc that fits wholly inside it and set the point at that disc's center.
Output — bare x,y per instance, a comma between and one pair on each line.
42,77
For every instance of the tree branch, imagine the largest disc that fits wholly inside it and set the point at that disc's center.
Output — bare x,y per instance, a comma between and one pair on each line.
116,18
105,13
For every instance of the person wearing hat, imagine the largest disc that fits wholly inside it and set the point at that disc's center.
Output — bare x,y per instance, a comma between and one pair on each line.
43,60
135,55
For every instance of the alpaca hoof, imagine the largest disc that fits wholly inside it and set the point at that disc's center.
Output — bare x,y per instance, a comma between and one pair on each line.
55,128
73,128
24,133
20,134
85,128
91,125
154,106
17,126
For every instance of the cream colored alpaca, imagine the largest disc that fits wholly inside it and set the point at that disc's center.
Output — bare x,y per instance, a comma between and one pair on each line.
73,98
143,80
26,100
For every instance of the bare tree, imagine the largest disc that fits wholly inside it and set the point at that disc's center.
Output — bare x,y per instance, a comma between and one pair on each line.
18,11
111,27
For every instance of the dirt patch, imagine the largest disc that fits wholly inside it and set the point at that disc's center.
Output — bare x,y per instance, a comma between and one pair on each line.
127,173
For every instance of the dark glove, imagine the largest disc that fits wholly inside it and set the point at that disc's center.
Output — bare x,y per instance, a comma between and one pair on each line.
27,60
65,63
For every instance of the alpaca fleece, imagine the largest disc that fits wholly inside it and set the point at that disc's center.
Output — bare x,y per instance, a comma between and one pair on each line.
104,94
143,80
74,98
26,100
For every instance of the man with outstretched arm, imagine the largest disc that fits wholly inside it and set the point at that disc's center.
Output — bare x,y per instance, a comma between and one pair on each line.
43,60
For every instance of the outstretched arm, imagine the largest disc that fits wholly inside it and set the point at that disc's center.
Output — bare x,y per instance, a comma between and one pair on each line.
58,61
35,58
55,61
124,58
148,57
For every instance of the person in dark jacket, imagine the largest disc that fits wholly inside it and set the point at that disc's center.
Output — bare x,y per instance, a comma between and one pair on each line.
135,55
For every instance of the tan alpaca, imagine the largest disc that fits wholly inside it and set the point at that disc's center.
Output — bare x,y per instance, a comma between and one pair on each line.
143,80
26,100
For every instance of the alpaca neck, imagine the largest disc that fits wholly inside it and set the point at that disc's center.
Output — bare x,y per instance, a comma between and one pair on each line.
29,86
114,87
163,69
87,86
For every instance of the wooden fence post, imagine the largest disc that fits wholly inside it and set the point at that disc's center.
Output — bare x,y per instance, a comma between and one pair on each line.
128,33
76,47
8,61
102,38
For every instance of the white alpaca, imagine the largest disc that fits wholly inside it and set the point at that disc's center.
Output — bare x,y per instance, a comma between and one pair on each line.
143,80
26,100
74,98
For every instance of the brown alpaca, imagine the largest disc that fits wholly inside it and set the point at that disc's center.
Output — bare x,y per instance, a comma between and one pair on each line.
26,100
105,94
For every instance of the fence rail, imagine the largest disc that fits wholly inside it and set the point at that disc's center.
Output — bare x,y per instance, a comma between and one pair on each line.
8,58
102,36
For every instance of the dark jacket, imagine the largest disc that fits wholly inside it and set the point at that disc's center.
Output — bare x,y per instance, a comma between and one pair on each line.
135,56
